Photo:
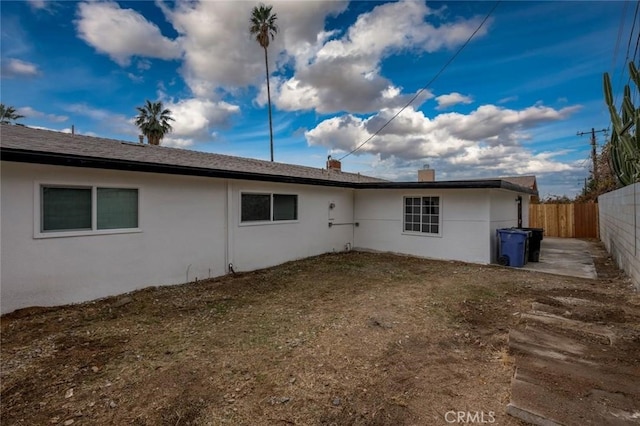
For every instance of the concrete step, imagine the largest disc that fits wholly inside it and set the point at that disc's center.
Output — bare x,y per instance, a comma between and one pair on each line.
545,404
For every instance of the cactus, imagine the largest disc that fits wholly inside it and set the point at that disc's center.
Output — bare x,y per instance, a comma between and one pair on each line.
625,137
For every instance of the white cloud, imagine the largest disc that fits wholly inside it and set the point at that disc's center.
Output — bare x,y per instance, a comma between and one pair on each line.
487,140
344,74
29,112
330,74
12,67
332,71
122,33
454,98
498,125
174,142
195,119
220,53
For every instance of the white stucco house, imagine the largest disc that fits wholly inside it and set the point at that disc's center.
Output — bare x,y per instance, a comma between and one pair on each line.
85,217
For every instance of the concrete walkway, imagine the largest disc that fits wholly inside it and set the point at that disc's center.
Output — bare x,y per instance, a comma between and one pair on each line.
576,349
565,256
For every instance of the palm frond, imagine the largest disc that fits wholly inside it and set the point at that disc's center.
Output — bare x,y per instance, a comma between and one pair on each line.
263,24
8,114
153,121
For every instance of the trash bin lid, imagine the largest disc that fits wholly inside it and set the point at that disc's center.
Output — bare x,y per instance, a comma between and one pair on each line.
513,231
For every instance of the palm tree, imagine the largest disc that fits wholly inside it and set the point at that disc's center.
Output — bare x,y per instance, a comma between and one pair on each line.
8,114
263,26
153,121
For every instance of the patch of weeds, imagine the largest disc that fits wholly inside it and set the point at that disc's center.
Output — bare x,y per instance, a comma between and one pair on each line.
351,265
219,307
477,293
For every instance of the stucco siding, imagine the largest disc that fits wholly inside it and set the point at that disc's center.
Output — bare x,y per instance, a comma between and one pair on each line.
182,223
619,220
465,224
190,227
261,245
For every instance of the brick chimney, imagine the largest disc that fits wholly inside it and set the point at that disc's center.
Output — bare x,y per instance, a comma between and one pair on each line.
426,174
334,164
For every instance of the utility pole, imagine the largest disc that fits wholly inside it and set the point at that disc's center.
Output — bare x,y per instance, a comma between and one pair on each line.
594,155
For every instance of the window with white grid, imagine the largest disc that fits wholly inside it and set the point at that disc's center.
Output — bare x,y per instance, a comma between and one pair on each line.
422,214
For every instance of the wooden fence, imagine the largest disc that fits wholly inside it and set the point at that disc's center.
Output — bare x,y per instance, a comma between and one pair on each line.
565,220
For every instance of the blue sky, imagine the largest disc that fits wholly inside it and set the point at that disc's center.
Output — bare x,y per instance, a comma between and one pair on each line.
510,103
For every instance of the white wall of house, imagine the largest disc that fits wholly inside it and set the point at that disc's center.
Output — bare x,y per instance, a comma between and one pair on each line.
619,213
469,221
182,222
189,228
465,224
259,245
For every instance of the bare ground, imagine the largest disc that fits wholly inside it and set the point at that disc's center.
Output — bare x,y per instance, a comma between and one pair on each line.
352,338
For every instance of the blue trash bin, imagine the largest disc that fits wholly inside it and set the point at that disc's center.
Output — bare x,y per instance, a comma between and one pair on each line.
512,247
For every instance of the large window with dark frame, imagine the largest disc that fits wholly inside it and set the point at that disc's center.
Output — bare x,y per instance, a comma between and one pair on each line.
87,208
267,207
422,214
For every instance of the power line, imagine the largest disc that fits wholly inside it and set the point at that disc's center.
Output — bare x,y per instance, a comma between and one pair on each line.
594,155
419,92
619,37
635,55
627,55
635,50
617,46
633,26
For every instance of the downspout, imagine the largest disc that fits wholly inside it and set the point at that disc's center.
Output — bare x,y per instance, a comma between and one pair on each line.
228,252
519,200
353,218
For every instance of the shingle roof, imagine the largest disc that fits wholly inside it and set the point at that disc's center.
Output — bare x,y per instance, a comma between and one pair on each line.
525,181
16,140
25,144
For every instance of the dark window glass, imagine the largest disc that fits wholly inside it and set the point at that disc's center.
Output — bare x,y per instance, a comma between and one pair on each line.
285,207
117,208
66,209
255,207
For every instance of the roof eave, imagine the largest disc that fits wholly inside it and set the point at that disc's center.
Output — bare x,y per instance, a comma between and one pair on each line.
37,157
468,184
56,159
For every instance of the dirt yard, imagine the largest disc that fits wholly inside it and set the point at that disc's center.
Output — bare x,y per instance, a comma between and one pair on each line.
340,339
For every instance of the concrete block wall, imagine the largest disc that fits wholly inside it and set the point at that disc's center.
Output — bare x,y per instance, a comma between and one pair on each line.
619,222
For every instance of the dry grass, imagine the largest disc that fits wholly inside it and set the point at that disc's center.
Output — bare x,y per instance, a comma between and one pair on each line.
352,338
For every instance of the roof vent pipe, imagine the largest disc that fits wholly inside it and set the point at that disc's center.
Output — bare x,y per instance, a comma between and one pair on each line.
141,138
